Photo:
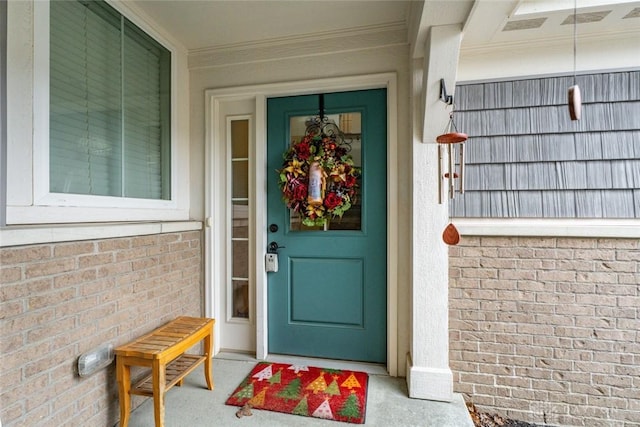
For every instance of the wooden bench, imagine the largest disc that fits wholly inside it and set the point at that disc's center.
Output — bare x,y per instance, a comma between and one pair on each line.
163,350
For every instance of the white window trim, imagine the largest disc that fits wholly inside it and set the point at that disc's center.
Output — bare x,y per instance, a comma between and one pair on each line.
29,200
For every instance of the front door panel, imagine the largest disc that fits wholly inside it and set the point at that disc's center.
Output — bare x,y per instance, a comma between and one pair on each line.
328,297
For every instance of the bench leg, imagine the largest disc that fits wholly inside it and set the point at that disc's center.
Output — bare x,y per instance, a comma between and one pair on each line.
123,374
208,352
159,384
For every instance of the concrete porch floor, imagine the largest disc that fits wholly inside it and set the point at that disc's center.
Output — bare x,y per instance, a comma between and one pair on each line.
192,405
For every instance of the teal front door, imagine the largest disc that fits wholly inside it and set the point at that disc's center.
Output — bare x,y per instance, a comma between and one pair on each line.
328,298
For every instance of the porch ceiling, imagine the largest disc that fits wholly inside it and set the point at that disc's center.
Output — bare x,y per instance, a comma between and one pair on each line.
215,24
229,23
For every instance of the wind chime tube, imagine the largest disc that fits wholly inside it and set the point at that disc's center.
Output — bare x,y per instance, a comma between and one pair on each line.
440,177
461,177
451,171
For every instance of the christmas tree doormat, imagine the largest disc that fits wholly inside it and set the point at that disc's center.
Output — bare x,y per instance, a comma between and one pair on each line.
332,394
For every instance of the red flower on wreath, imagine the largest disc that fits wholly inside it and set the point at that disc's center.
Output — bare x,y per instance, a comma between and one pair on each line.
303,150
332,201
350,181
300,192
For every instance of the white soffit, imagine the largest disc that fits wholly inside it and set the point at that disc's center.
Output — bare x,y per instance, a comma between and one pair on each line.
529,7
499,23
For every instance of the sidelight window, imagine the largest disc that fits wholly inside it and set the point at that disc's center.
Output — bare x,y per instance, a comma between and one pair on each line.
239,202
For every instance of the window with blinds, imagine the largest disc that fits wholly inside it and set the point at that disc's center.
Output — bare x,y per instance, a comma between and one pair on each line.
109,124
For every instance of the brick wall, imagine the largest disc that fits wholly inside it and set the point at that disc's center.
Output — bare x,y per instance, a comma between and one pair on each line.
61,300
547,330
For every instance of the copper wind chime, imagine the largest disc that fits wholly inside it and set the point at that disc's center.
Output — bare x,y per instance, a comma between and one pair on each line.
451,143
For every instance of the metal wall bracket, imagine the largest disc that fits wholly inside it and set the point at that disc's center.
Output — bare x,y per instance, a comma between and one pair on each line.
444,96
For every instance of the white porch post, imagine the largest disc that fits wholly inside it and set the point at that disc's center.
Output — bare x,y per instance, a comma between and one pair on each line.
428,373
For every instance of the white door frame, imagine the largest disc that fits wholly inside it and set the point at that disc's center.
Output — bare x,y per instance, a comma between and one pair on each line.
214,199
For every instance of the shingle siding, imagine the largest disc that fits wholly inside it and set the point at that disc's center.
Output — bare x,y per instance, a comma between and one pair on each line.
526,158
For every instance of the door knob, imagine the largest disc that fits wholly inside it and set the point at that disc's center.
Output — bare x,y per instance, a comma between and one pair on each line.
273,228
273,247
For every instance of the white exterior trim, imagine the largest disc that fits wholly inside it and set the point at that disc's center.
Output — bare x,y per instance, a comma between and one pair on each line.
260,93
428,373
298,47
569,227
429,382
35,235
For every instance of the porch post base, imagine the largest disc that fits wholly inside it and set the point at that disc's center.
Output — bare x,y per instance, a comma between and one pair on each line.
429,383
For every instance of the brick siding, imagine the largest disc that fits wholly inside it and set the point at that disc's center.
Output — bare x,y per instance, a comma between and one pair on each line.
61,300
547,330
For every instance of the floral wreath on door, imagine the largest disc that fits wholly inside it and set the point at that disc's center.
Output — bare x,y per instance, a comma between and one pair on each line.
318,179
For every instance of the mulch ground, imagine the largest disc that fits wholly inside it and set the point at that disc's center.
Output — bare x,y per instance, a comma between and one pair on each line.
484,419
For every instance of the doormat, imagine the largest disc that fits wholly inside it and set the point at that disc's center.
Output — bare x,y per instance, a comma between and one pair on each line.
332,394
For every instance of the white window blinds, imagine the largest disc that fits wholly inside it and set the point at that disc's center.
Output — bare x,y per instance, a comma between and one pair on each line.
109,105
